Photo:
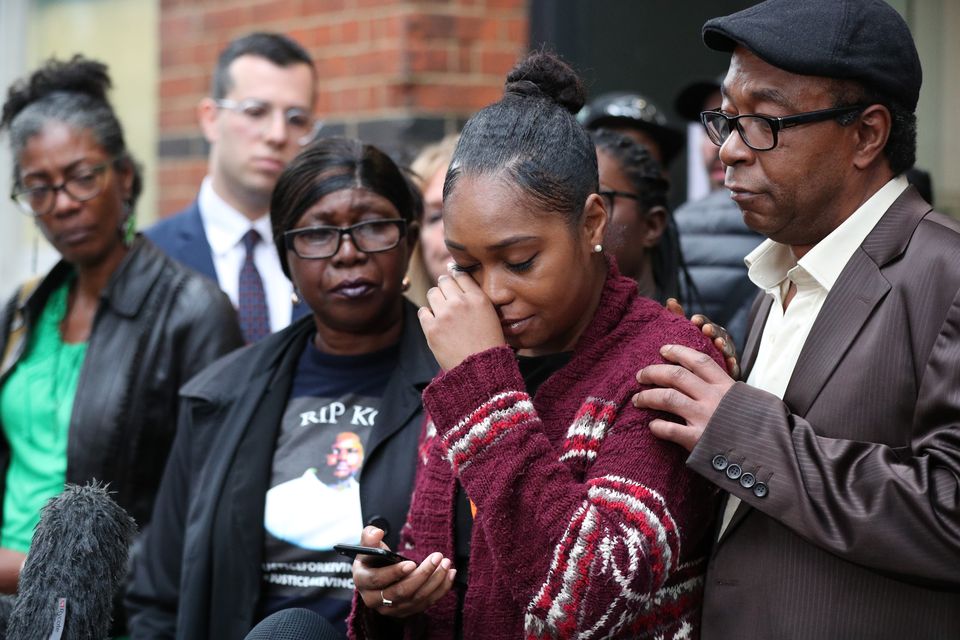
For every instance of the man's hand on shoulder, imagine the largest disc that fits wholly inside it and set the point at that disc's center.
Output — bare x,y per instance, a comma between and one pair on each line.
718,335
690,388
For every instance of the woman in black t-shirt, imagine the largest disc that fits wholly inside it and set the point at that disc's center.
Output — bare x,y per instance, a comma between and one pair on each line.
295,443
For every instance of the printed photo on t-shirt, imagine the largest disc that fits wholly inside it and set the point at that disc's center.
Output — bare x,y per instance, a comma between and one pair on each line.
314,501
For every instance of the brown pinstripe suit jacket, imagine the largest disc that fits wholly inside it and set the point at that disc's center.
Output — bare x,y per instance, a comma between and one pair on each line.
858,535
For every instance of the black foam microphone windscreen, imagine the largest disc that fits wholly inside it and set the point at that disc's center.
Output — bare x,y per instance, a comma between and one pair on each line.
6,608
77,561
294,624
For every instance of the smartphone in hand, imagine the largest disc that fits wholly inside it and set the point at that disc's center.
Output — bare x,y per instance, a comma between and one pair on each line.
373,556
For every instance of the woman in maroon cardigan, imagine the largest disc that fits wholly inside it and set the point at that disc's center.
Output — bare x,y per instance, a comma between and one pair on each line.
543,507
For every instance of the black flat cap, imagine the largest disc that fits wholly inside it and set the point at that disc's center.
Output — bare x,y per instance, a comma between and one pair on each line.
862,40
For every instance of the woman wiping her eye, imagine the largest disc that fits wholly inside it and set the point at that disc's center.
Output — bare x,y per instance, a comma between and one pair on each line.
543,506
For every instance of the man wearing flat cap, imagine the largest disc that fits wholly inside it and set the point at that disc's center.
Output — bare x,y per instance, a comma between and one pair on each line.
841,452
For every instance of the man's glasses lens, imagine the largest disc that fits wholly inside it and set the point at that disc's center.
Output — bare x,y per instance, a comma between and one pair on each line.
368,237
258,112
757,131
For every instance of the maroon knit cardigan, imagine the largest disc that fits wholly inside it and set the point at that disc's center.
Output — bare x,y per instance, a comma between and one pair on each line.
587,526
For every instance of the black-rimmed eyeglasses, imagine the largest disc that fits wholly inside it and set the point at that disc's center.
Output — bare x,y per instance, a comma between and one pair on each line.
82,185
317,243
760,132
610,197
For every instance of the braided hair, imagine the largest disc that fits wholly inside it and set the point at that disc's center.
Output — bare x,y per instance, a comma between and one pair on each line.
646,175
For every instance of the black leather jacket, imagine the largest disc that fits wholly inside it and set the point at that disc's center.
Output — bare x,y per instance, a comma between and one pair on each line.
198,577
157,324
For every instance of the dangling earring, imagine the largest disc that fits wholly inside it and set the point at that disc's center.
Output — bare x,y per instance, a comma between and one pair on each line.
597,248
128,226
405,284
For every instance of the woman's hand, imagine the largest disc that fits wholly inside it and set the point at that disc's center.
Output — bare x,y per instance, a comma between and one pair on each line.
460,320
401,589
721,339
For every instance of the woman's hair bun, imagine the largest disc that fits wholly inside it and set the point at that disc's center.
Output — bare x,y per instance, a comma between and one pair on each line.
543,74
78,75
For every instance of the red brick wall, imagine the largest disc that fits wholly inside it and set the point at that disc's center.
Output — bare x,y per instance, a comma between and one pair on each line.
377,60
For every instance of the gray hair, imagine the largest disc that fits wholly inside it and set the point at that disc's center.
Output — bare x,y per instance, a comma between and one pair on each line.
73,93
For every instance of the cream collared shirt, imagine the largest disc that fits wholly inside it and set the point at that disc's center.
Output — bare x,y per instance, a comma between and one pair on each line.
772,267
225,228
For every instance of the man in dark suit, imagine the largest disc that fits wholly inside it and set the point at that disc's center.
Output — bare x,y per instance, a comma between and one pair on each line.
841,453
258,118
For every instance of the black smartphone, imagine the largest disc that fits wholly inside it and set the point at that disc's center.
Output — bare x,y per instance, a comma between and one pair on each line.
375,557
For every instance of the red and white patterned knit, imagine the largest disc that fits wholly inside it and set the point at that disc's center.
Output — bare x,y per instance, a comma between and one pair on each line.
587,526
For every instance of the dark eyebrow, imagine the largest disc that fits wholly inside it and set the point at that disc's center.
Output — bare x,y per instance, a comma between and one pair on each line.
506,242
766,94
773,95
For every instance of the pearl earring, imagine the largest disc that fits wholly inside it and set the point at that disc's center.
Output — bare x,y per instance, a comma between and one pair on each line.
294,298
597,248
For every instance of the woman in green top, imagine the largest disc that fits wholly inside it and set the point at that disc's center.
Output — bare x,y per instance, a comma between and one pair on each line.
92,355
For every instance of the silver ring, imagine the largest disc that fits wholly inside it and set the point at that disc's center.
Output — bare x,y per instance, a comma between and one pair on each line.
384,602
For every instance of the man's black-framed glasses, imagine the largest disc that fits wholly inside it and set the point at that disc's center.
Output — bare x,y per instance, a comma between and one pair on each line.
81,185
374,236
760,132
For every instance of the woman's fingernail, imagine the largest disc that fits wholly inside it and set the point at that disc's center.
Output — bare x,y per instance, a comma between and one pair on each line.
445,564
452,574
435,558
407,567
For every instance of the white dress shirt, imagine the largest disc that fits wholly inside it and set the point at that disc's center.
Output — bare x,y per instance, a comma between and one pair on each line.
225,228
772,267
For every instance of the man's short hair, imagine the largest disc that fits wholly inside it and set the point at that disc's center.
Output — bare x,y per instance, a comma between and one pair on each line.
279,49
901,147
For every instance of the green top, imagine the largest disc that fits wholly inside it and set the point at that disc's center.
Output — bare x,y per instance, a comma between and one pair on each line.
36,402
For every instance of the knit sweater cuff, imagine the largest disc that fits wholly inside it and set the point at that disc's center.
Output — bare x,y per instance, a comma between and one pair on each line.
477,403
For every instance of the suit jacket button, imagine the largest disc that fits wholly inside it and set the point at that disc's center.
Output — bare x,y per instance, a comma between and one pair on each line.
747,480
760,490
720,462
734,471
